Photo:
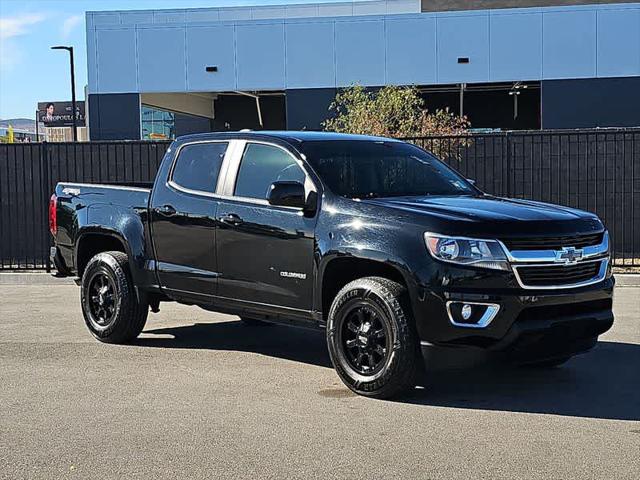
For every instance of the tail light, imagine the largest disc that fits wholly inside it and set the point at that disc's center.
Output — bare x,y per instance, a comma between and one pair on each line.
53,215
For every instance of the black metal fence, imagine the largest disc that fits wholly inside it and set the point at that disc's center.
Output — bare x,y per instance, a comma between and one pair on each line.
29,173
594,170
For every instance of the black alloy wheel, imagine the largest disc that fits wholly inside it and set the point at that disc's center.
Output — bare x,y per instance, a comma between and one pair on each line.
364,338
372,339
103,301
112,310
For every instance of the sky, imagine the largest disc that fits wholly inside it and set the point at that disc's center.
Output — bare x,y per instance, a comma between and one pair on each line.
30,72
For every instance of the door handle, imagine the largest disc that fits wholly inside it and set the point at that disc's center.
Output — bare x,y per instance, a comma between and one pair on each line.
166,210
231,219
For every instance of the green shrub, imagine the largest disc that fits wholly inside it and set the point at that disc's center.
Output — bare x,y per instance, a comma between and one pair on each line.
390,112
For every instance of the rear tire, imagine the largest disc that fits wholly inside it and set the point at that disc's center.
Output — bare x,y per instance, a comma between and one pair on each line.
111,309
372,340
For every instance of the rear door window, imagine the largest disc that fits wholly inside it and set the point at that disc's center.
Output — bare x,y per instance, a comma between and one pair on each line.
198,166
262,165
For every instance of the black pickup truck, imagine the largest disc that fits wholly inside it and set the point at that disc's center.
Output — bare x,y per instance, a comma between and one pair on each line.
372,239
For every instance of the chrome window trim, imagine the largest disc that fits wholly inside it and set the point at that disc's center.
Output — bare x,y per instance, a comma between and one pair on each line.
256,201
200,193
232,169
602,273
234,146
228,190
228,172
221,174
485,320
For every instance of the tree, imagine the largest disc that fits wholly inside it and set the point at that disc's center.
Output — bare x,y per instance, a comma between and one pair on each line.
396,112
391,112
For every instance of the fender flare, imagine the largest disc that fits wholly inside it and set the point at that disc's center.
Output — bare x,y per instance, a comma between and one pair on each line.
99,230
377,256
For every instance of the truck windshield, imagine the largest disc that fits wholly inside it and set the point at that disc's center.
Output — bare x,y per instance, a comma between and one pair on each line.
369,169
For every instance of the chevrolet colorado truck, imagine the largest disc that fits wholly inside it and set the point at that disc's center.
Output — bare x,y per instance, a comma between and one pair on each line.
374,240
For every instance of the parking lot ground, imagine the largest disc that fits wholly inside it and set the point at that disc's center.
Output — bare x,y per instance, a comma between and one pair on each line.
200,395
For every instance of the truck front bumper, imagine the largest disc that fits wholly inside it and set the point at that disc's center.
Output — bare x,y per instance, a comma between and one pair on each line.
526,325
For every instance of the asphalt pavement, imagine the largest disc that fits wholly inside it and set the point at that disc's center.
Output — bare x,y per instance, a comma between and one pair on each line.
200,395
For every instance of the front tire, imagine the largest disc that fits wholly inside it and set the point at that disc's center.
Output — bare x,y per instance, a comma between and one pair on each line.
110,306
372,339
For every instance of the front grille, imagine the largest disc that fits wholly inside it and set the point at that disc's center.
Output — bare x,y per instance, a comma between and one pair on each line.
558,274
553,243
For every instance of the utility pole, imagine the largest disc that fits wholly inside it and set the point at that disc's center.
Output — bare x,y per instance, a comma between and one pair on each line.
73,88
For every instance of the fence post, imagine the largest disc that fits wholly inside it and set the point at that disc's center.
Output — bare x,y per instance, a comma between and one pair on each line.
507,141
44,159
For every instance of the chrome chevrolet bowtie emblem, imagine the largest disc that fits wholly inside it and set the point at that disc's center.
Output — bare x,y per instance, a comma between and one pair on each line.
569,255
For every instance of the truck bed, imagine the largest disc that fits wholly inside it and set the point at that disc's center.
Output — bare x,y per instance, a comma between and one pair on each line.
130,194
114,206
125,185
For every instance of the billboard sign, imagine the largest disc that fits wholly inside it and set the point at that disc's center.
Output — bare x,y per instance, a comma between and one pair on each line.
59,114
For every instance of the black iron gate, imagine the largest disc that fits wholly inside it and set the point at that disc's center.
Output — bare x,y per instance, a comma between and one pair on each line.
29,173
595,170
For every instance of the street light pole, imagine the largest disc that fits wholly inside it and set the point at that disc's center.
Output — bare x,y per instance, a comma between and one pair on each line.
73,88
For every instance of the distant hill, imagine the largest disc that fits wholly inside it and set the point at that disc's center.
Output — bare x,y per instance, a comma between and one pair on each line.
19,124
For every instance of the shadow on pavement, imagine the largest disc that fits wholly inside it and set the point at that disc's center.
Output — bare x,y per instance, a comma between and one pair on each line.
604,383
290,343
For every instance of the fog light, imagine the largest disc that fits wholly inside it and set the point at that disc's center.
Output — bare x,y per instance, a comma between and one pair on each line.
472,314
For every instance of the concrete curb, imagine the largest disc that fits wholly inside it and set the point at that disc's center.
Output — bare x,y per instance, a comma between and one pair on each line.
627,280
42,278
33,278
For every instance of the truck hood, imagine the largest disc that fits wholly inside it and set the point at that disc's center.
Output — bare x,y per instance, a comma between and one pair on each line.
493,214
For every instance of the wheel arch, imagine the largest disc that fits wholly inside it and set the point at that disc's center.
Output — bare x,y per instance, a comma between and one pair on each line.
94,240
339,270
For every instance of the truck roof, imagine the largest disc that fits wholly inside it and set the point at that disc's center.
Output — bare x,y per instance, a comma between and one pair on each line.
289,136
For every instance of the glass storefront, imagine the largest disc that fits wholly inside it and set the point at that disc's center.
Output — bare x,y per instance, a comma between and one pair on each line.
157,124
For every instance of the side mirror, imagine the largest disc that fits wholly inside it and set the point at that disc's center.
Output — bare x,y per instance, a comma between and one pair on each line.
287,194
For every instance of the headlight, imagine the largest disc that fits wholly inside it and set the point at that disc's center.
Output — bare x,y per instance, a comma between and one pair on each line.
467,251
